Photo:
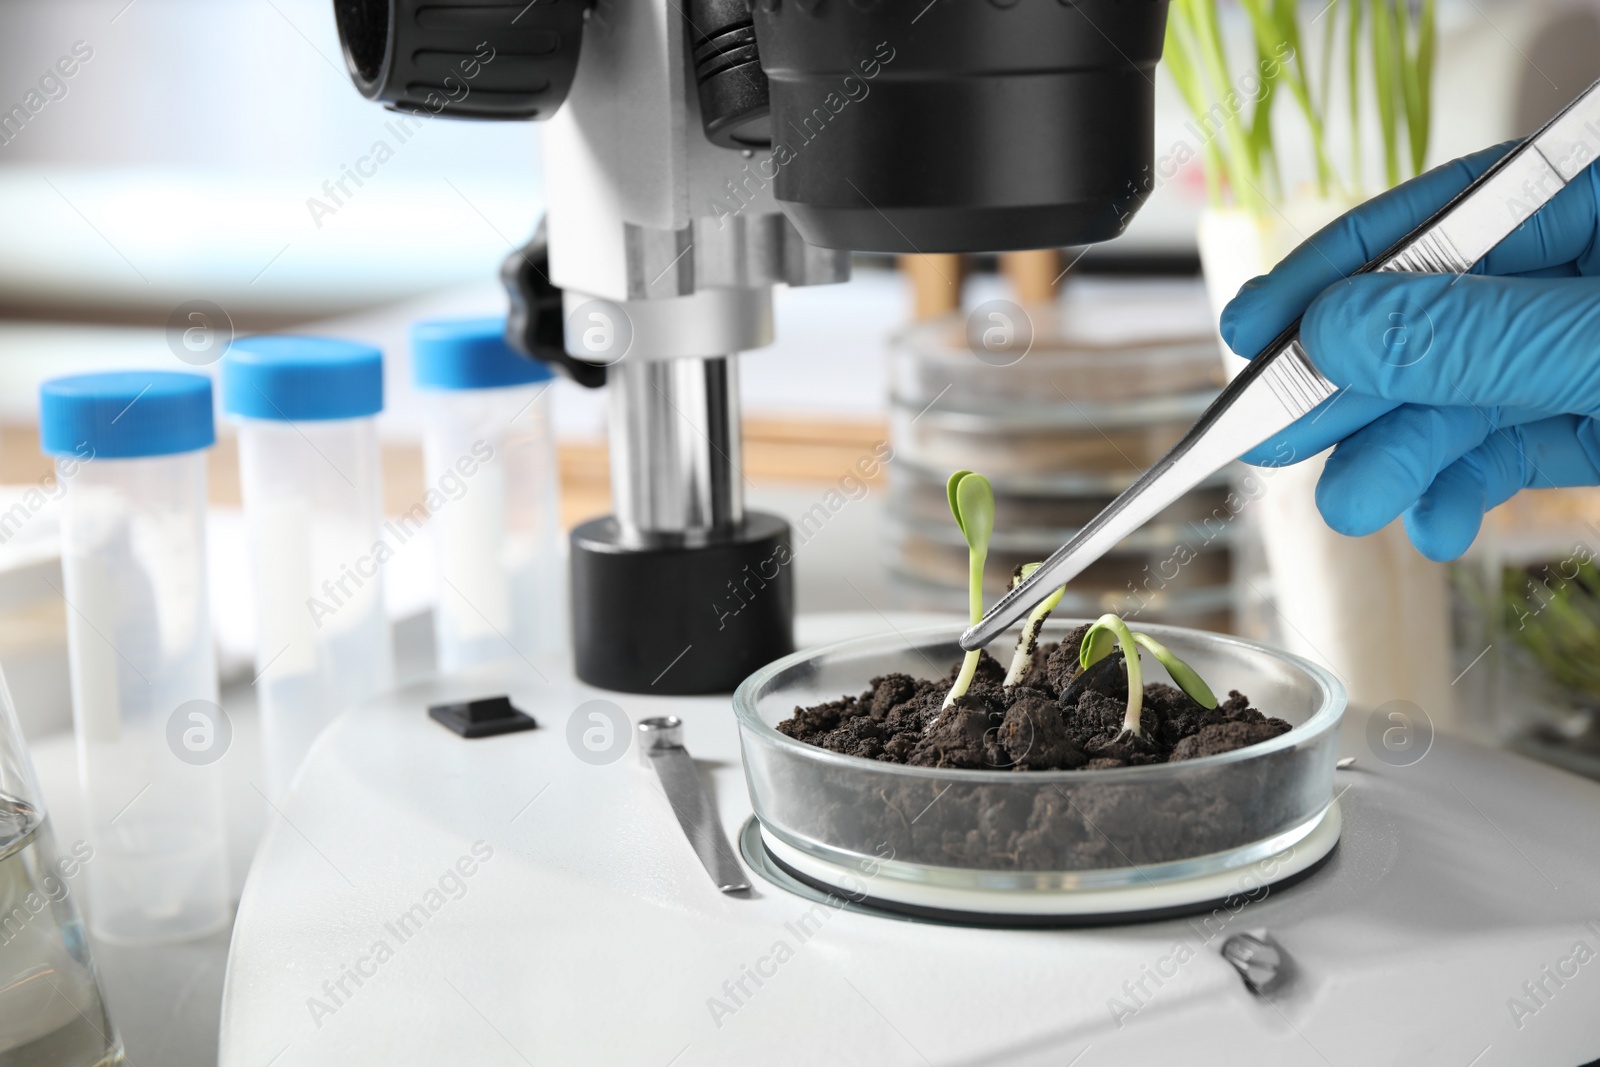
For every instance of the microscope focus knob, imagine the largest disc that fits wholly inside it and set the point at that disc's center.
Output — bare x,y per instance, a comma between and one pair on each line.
534,324
734,108
485,60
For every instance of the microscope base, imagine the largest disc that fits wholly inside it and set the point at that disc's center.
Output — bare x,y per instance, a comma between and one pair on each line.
676,617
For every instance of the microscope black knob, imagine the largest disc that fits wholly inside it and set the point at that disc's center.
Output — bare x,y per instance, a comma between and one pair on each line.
727,68
485,60
535,325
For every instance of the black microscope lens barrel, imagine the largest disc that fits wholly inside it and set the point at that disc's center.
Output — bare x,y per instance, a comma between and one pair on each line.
960,125
489,60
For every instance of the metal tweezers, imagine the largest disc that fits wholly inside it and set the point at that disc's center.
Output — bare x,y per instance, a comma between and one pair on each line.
1281,385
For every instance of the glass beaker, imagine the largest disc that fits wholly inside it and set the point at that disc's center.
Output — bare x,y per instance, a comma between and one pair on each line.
51,1011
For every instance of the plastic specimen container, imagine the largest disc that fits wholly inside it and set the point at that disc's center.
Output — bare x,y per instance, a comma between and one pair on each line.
491,469
309,475
130,448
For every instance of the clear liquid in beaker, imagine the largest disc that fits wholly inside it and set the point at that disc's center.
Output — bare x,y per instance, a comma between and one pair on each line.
51,1014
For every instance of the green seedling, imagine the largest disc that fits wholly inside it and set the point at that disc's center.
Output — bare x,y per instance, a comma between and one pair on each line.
1557,624
1022,658
972,503
1110,632
1386,50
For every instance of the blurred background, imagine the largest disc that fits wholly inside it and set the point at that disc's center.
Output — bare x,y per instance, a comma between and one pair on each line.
194,155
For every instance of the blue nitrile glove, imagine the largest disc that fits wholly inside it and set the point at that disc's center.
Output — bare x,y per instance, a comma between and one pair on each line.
1456,391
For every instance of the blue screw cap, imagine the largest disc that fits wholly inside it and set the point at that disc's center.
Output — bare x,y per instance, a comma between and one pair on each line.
301,379
470,354
125,414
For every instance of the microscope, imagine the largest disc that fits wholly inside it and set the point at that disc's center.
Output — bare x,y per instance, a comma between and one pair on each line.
698,153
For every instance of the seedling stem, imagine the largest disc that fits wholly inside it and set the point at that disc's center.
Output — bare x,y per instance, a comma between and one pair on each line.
1022,658
972,503
1109,632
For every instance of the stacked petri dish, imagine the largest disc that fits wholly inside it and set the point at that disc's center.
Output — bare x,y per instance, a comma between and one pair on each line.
1060,424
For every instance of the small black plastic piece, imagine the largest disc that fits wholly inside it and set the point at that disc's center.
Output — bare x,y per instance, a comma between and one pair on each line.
484,717
734,108
535,323
488,59
679,618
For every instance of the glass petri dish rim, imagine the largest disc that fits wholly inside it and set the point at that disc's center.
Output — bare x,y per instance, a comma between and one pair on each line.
1334,702
1057,881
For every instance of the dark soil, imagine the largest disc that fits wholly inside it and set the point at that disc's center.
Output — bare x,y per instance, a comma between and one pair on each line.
1057,718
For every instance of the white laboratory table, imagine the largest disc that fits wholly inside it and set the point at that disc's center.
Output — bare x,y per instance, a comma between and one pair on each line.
423,899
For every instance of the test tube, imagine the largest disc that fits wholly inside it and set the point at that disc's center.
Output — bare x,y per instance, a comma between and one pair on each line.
309,476
130,451
492,490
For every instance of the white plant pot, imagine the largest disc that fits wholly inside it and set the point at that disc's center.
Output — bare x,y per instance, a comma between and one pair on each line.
1372,609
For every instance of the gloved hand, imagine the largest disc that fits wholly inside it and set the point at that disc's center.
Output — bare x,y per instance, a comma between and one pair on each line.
1457,391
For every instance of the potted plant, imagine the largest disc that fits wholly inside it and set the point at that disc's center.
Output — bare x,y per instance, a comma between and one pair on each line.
1255,216
1550,667
1354,72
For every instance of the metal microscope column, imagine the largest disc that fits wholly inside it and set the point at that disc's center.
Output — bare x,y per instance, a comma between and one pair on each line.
675,444
680,590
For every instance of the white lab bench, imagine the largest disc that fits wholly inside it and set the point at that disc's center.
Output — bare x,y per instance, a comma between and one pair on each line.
583,929
166,1000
